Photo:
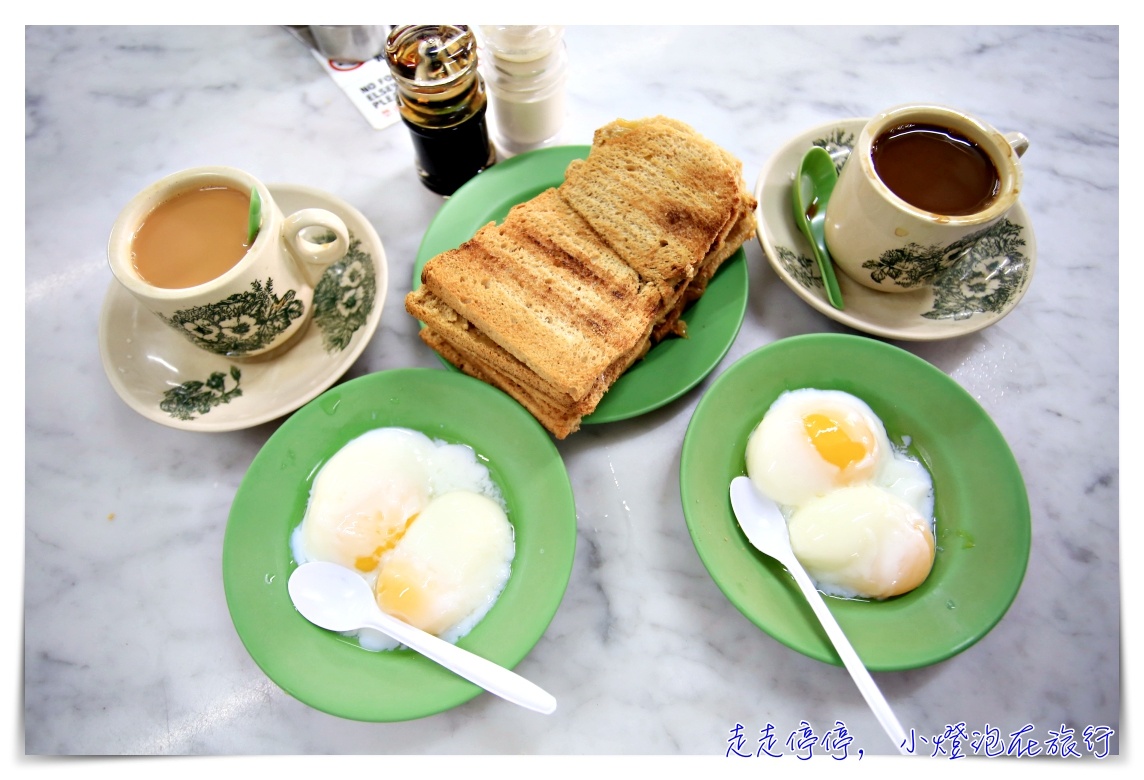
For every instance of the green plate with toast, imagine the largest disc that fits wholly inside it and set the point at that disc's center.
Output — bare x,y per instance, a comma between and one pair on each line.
670,368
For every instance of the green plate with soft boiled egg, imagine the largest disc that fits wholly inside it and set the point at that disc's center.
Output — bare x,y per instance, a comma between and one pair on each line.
981,510
332,672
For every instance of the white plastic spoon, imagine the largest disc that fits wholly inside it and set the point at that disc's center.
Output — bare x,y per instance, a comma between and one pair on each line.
766,528
338,599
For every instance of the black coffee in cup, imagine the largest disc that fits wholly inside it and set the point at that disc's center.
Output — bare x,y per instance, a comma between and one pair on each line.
936,169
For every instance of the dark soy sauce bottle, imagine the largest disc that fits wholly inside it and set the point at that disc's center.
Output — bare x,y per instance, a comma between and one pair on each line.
442,101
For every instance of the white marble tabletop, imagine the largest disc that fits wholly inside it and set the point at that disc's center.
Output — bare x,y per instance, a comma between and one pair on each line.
128,644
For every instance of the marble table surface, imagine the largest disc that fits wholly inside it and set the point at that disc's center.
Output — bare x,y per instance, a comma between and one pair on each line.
128,644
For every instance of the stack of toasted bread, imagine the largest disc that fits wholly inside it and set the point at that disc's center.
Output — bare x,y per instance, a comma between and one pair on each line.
575,285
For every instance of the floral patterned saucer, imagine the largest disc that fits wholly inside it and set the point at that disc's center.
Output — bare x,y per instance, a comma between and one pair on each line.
981,289
165,378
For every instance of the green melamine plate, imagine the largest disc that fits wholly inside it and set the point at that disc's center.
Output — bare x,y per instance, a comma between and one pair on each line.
672,367
981,508
330,672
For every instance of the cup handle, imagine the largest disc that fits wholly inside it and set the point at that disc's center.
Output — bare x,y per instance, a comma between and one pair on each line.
1018,141
316,238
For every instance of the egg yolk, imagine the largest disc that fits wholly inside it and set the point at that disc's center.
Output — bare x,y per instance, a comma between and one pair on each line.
833,443
390,532
453,560
341,526
402,591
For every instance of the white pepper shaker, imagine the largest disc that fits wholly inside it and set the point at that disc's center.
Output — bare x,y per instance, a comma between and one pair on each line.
525,68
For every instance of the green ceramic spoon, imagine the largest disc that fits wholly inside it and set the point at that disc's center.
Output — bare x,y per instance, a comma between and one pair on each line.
254,218
811,191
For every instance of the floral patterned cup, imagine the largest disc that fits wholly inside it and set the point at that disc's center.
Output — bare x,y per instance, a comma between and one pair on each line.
884,242
261,305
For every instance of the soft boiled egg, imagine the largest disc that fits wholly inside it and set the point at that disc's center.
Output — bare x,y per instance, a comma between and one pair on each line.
420,520
862,540
449,567
813,441
859,509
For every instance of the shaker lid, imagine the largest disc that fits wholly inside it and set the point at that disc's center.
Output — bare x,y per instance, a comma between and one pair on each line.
431,55
522,42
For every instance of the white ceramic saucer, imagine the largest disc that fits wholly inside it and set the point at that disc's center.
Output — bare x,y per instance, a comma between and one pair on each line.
974,294
165,378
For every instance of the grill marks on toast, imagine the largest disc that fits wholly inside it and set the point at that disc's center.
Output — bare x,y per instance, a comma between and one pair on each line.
554,304
548,219
657,197
562,315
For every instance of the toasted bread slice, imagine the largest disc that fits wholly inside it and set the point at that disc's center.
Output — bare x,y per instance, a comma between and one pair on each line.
558,418
657,197
476,346
559,422
544,306
469,340
549,220
672,324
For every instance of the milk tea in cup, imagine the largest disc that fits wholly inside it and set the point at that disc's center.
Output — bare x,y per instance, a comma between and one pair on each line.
181,248
920,184
192,238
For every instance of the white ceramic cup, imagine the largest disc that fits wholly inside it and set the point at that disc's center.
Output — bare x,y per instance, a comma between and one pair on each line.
259,306
887,244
